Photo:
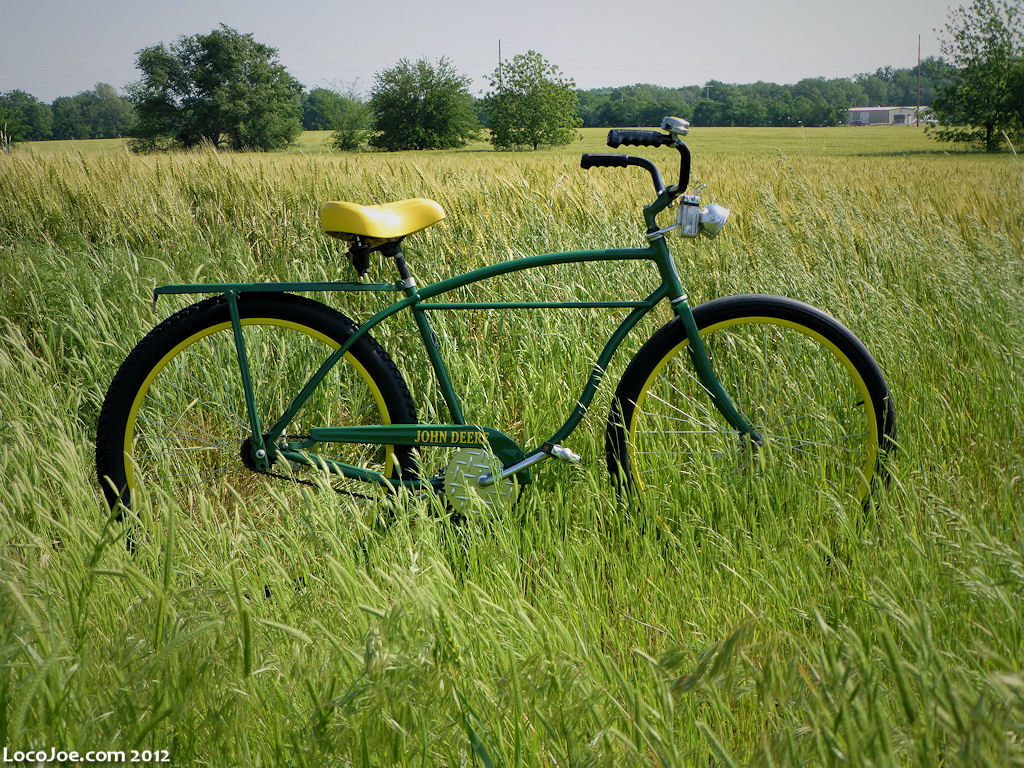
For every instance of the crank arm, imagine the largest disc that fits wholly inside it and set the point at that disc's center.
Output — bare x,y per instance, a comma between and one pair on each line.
543,453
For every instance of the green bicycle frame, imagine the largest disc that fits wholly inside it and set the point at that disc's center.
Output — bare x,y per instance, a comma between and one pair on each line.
418,300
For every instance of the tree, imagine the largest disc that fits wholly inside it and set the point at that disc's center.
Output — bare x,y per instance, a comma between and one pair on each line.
985,45
11,131
635,105
320,109
345,113
1016,87
422,106
351,122
224,89
26,111
110,115
532,104
97,114
68,120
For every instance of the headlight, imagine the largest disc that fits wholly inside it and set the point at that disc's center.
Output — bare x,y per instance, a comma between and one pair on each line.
694,220
712,219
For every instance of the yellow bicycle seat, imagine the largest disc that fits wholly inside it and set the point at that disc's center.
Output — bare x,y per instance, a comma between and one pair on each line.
388,221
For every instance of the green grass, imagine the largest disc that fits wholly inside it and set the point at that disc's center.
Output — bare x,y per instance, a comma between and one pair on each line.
708,629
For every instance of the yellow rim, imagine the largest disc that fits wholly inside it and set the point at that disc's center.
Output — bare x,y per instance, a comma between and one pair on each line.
208,331
868,468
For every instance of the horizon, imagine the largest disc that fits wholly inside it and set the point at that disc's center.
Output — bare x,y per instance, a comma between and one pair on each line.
55,48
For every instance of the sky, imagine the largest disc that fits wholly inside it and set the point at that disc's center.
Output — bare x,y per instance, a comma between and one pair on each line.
53,48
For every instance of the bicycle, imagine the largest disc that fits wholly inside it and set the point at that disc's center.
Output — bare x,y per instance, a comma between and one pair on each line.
257,384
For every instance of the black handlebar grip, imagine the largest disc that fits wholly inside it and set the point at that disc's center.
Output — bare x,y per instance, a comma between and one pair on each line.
638,138
603,161
623,161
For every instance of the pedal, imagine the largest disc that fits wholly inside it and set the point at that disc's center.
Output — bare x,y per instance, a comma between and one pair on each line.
565,454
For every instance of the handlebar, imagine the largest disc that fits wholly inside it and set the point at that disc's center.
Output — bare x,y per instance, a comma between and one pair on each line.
590,160
641,138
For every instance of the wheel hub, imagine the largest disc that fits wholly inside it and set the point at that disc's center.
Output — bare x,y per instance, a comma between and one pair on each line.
250,456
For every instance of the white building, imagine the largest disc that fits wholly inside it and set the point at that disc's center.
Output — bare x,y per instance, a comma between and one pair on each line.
883,115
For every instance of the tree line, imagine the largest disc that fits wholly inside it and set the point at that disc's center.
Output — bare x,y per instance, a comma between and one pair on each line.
102,113
227,90
810,102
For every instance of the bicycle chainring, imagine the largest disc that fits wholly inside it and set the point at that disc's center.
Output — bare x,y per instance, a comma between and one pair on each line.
461,490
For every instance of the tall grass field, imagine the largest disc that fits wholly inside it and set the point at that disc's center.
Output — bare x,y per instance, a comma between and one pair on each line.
704,628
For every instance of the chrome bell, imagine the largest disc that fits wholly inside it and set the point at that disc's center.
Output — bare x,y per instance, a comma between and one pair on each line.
712,219
675,125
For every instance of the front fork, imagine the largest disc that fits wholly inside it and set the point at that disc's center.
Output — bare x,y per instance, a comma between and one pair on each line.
698,353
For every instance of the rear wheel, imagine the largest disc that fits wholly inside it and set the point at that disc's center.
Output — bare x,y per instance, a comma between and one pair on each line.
805,383
175,421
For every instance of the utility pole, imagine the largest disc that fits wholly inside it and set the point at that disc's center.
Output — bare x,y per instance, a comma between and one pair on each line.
917,115
500,84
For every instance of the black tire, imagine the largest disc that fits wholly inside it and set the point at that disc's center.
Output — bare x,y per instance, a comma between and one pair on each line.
174,420
804,381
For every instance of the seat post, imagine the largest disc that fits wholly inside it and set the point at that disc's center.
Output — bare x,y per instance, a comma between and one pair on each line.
394,251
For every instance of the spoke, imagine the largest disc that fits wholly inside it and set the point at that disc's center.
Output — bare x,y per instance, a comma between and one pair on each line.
823,409
702,427
673,406
820,457
196,449
675,467
799,435
220,367
187,437
690,453
203,473
227,412
691,420
681,431
731,350
730,346
694,401
690,373
167,427
819,382
282,366
832,446
785,373
197,483
365,409
802,471
811,428
795,350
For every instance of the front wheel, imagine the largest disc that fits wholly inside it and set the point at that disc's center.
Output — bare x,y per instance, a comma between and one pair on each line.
805,383
175,420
